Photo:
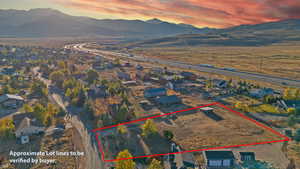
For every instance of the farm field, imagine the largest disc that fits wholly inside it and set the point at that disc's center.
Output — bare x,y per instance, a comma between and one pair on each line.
192,130
278,59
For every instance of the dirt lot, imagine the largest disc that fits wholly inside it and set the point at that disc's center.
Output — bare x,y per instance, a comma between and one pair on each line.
192,131
197,130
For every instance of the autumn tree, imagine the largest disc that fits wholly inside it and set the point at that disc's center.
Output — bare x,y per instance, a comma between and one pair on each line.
127,163
39,112
58,78
241,106
6,128
122,129
155,164
38,88
26,108
292,110
149,128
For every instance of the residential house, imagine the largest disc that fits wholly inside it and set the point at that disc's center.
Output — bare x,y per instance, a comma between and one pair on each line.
124,76
247,156
26,126
168,100
220,83
157,70
11,101
129,83
154,92
260,93
219,159
188,75
139,67
98,91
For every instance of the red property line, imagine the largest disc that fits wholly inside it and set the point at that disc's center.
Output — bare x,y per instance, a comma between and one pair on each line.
212,148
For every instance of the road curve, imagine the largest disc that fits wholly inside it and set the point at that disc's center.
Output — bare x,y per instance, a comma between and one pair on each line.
285,82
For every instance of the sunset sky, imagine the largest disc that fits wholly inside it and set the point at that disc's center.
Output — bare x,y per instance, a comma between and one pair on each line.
201,13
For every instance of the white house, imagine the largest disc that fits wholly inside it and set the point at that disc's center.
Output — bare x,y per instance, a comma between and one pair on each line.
11,101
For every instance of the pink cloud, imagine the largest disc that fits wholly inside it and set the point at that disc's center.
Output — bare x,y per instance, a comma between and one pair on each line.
220,13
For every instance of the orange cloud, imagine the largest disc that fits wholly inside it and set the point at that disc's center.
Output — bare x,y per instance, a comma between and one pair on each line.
211,13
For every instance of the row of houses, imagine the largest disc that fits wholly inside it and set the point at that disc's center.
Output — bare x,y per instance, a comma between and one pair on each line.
159,95
214,159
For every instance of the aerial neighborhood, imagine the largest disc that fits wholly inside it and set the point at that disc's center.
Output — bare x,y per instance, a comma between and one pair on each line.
50,95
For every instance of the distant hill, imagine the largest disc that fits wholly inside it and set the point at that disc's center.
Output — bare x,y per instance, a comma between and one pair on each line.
243,35
53,23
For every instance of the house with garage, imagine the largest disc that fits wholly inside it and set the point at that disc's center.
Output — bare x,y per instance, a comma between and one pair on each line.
123,76
220,83
168,100
155,92
260,93
26,126
188,75
219,159
11,101
247,156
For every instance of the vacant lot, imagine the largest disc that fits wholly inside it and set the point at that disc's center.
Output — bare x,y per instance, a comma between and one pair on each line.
199,130
279,60
193,130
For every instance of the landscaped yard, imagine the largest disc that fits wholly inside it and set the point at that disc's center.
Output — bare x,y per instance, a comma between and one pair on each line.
267,108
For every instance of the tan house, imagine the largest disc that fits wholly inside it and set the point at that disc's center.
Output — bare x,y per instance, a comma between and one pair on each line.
26,127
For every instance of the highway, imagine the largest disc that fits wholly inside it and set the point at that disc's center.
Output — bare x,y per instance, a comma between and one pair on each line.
285,82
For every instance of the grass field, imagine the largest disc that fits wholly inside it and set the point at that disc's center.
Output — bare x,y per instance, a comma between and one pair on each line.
279,60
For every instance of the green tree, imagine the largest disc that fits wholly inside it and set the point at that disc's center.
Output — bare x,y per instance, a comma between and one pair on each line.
127,163
168,134
39,88
292,120
297,135
208,84
122,113
81,97
92,75
149,128
155,164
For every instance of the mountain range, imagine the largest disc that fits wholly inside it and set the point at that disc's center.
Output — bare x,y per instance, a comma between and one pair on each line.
284,31
53,23
44,22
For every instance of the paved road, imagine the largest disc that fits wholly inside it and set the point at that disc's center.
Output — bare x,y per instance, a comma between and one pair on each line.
243,75
92,157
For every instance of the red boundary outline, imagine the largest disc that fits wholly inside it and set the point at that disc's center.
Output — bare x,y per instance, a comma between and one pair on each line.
213,148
